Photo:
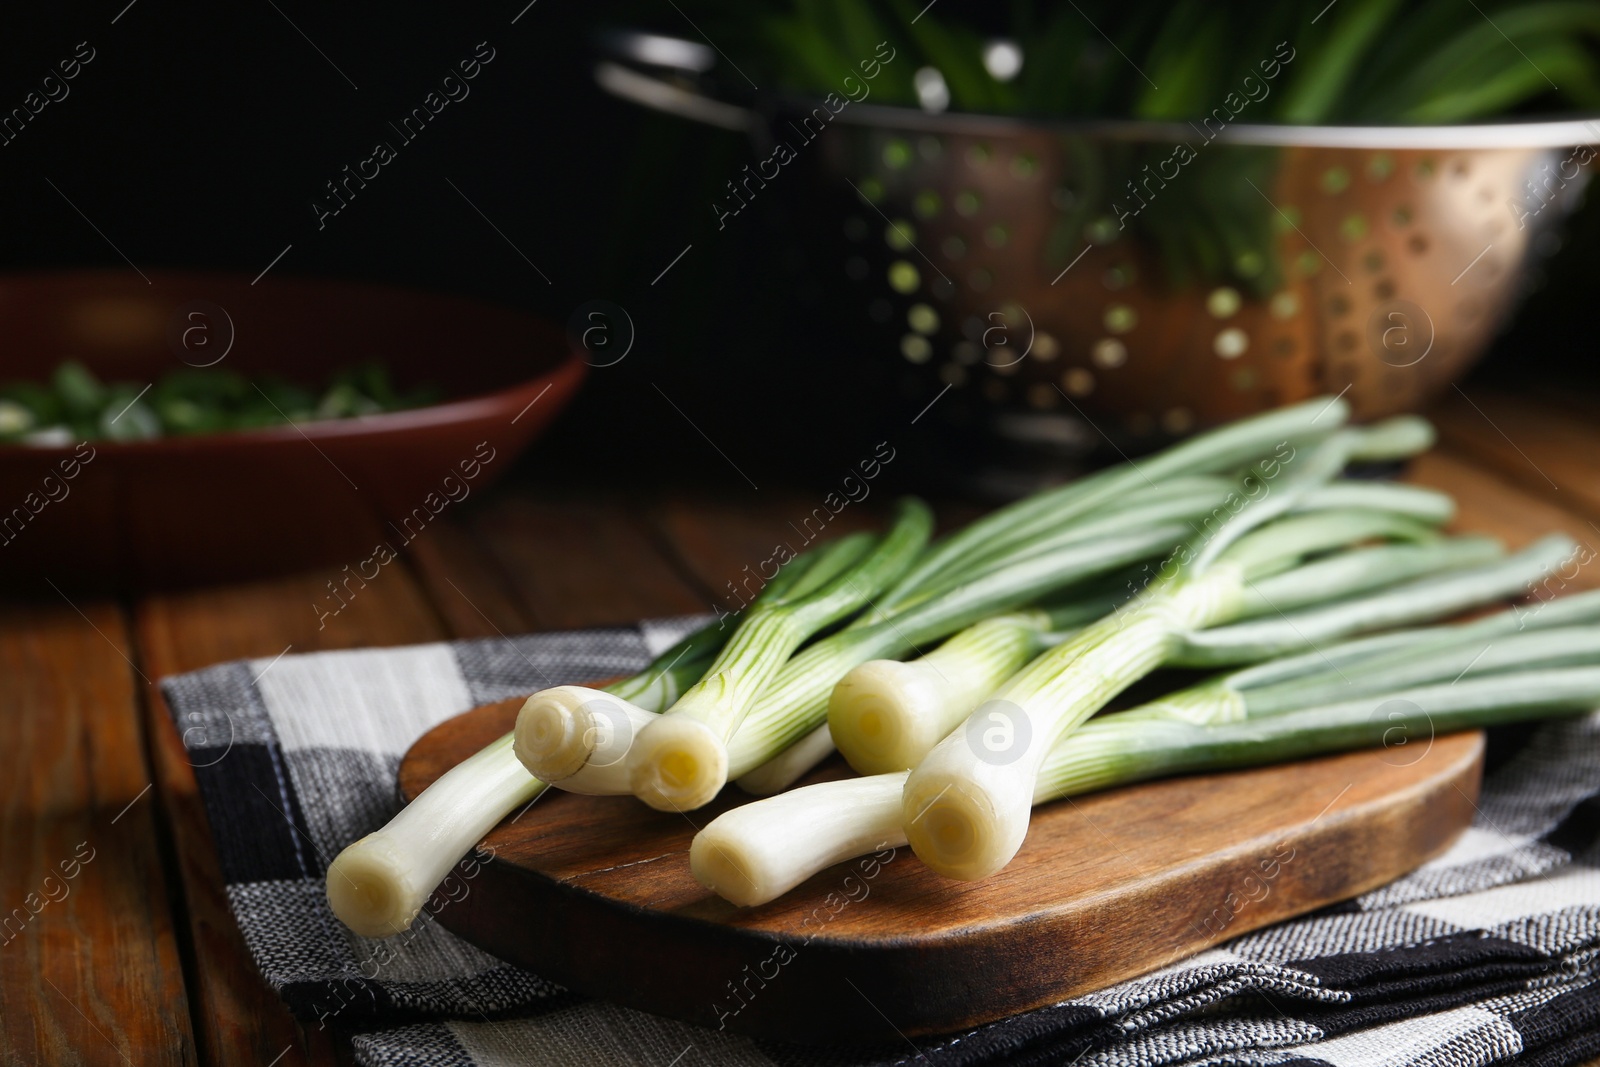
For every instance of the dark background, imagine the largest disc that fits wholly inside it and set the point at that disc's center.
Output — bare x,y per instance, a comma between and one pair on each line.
200,134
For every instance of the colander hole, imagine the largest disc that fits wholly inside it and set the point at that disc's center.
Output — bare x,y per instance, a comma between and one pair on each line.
1043,396
1120,318
1354,227
996,236
953,374
899,235
1335,180
1230,343
1077,381
1426,169
1380,166
967,202
896,153
1249,264
1347,341
903,277
965,353
1064,199
980,279
1102,231
994,390
1308,263
1384,290
1284,305
1177,420
1286,218
1403,215
880,310
1373,261
1024,166
979,155
1223,302
927,204
1338,305
872,189
856,269
855,228
1243,379
915,348
929,147
1045,347
1418,244
923,319
1283,346
1109,352
954,247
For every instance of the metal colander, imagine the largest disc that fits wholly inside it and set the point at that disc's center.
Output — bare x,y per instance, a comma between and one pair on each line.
1009,262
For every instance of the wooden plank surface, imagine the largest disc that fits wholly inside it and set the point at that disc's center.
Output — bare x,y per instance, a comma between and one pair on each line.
1552,452
581,559
727,543
1488,503
89,963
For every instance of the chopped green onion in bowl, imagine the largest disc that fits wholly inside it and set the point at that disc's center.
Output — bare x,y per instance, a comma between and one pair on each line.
75,405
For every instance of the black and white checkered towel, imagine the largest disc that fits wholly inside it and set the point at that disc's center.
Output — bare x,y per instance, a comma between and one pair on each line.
1486,955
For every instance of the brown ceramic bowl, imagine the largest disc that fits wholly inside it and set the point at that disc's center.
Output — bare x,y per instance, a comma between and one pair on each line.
189,509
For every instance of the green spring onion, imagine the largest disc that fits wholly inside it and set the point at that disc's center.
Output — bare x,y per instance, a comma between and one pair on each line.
971,807
680,761
757,852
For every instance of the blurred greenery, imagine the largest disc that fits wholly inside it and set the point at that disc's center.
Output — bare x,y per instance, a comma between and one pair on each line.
1418,61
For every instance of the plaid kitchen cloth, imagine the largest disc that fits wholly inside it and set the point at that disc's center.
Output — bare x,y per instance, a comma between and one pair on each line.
1486,955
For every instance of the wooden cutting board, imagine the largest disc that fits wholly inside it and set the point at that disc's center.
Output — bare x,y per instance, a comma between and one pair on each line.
595,892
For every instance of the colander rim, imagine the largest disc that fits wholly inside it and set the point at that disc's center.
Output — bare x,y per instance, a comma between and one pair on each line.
1535,132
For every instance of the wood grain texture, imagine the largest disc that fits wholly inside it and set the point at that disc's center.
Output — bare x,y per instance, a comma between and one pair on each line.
1550,452
581,560
238,1018
722,542
1488,504
89,963
1106,887
467,584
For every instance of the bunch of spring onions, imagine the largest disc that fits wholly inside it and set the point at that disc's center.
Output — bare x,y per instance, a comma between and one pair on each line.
757,699
1237,546
1399,688
967,808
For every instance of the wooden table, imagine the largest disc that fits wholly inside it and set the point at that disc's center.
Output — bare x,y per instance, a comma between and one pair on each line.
140,960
